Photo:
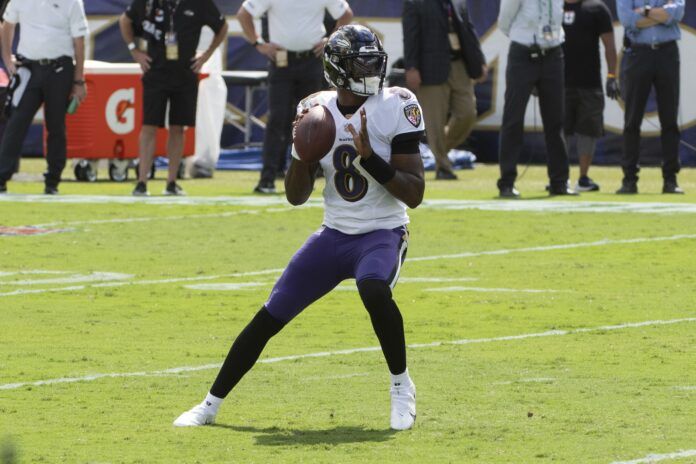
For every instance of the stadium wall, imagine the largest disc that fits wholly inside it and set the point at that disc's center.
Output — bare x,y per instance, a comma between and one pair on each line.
384,16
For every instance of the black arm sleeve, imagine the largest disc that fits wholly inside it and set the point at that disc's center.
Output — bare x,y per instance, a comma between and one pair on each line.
410,23
406,143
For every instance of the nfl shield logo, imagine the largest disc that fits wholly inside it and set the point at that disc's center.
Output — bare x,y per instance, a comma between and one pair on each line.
413,114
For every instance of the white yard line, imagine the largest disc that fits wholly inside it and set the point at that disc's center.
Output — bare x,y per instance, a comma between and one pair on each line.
322,354
492,290
532,380
415,259
650,458
566,246
73,279
545,206
164,218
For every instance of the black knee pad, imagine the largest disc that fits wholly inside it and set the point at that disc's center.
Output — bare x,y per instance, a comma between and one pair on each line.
375,294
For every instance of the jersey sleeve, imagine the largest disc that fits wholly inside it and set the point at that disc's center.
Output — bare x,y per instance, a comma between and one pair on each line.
256,8
604,21
136,11
12,12
336,8
78,20
211,16
409,116
311,101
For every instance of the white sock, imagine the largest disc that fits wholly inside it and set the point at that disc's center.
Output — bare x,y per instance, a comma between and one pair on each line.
212,403
401,380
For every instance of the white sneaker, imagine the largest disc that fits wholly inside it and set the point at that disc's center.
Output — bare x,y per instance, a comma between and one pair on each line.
403,407
198,415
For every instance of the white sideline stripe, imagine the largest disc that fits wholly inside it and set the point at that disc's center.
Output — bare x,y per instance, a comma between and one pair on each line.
227,287
419,258
322,354
546,206
566,246
164,218
650,458
495,290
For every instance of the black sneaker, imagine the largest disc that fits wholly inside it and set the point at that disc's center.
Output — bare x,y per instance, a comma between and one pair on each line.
174,189
265,188
557,191
51,190
672,187
140,190
585,184
628,188
443,174
509,192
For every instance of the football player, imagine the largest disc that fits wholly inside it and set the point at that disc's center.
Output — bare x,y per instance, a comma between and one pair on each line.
373,173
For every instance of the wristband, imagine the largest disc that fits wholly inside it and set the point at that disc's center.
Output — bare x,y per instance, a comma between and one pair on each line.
79,82
132,46
379,169
646,10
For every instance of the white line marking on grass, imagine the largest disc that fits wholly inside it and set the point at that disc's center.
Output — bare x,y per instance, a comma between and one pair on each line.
74,279
322,354
165,218
544,206
44,290
533,380
686,387
32,272
334,377
420,258
650,458
492,290
227,287
566,246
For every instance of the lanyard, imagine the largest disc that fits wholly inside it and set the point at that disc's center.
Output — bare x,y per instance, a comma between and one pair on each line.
172,12
541,12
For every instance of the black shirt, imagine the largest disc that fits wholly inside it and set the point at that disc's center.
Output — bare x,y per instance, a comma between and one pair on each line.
584,22
151,20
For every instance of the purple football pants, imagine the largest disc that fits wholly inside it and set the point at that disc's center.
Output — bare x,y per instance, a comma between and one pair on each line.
329,257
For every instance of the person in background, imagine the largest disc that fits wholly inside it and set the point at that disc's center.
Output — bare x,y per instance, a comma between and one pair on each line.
435,34
535,61
585,23
651,60
48,69
171,30
296,44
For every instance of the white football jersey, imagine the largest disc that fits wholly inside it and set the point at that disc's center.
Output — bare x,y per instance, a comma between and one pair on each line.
355,203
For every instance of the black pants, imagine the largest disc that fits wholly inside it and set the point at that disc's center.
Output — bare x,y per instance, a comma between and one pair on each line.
49,85
643,68
522,75
286,87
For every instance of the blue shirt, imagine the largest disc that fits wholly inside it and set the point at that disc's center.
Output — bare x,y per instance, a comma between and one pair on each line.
657,34
525,21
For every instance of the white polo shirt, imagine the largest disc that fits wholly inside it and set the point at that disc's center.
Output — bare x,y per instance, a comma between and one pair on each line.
47,27
296,25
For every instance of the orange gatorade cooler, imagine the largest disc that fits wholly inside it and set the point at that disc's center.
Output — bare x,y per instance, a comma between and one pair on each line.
107,124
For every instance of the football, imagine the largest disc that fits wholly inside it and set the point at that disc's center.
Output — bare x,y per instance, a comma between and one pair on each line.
314,134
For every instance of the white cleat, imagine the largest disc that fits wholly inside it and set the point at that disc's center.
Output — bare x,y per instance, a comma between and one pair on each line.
198,415
403,407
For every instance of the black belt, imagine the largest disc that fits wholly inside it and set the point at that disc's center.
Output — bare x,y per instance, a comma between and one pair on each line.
45,61
654,46
299,55
542,51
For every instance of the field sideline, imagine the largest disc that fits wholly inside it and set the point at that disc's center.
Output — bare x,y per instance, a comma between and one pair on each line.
539,330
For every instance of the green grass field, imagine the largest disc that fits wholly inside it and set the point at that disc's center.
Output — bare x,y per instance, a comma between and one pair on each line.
566,327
